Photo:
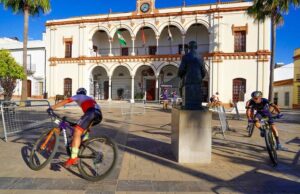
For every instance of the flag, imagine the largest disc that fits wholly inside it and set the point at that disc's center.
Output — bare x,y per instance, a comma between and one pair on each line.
121,39
143,36
170,37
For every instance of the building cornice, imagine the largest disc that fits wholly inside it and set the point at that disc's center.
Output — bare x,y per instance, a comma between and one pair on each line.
261,56
284,82
140,58
144,16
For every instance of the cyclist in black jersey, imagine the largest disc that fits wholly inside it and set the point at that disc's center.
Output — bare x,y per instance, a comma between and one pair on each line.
262,107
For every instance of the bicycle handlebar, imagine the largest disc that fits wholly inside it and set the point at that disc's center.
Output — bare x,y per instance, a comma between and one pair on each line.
54,115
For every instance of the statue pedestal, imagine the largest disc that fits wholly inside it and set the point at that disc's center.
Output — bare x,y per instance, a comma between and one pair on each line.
191,136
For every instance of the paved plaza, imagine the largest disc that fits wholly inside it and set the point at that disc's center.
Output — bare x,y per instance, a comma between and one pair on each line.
146,164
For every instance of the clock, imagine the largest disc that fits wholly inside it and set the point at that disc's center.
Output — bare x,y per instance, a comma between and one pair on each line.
145,7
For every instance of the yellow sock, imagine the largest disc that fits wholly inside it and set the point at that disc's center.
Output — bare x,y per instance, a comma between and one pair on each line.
74,153
86,136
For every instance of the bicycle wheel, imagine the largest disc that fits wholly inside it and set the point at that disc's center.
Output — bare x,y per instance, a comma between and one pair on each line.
44,150
250,129
98,157
270,143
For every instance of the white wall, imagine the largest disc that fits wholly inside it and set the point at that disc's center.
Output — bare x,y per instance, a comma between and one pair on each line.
281,90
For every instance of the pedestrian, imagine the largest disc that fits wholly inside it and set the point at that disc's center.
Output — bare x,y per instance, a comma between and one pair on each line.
165,99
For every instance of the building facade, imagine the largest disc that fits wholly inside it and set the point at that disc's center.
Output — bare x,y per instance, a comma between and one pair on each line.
91,52
296,96
36,64
283,86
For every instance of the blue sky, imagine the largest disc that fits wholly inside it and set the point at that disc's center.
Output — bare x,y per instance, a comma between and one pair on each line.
288,35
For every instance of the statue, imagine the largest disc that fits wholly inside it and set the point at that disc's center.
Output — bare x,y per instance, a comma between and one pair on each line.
191,72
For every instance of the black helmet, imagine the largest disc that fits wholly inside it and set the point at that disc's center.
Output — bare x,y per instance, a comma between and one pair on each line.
81,91
256,94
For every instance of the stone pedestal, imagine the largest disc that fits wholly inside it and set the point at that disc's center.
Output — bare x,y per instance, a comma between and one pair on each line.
191,136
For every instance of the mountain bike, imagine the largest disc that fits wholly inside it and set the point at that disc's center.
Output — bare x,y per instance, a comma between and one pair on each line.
250,128
269,139
97,156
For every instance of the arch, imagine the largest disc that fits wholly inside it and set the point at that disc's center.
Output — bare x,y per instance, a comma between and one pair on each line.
98,28
164,64
196,21
136,67
146,24
91,68
115,28
171,23
115,66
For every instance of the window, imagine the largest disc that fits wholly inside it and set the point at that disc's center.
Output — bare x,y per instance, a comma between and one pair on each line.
124,51
152,50
68,49
298,94
240,41
298,77
95,49
286,99
276,98
180,48
68,87
239,89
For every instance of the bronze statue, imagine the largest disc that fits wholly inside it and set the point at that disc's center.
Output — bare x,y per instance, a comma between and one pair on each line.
191,72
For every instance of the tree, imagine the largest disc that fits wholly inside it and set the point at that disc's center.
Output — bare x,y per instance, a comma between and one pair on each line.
273,9
10,71
26,7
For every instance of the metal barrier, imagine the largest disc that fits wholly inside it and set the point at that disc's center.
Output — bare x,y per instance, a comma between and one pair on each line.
223,118
18,116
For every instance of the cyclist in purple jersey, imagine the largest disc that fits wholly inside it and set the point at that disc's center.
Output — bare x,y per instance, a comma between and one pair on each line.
262,107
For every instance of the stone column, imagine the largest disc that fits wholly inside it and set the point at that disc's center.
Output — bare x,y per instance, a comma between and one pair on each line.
183,44
133,51
132,89
157,44
110,49
156,88
109,88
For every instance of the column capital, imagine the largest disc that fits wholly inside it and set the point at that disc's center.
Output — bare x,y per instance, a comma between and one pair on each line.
157,37
133,38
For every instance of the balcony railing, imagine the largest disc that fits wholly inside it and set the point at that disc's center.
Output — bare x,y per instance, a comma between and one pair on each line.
31,69
146,50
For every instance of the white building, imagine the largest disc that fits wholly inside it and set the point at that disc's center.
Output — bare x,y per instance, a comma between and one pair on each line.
85,51
284,85
36,63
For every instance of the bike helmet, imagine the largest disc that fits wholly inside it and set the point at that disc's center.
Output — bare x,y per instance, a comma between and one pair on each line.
256,94
81,91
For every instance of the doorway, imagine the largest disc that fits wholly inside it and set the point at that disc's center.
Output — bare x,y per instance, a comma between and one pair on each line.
28,88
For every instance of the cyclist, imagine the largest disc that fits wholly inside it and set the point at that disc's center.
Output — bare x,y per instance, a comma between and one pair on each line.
262,108
92,116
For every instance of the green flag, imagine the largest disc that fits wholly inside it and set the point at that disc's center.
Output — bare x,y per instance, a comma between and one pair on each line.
121,39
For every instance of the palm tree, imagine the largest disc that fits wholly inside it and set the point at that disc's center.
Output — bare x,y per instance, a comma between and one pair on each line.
28,8
273,9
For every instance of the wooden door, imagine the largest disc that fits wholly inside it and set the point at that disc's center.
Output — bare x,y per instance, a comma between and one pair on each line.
28,88
106,88
68,87
239,90
150,88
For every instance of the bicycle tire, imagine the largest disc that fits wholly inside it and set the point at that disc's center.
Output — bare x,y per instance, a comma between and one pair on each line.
81,163
32,163
250,129
271,147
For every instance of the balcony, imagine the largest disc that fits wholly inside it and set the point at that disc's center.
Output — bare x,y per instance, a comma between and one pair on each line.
146,50
31,69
